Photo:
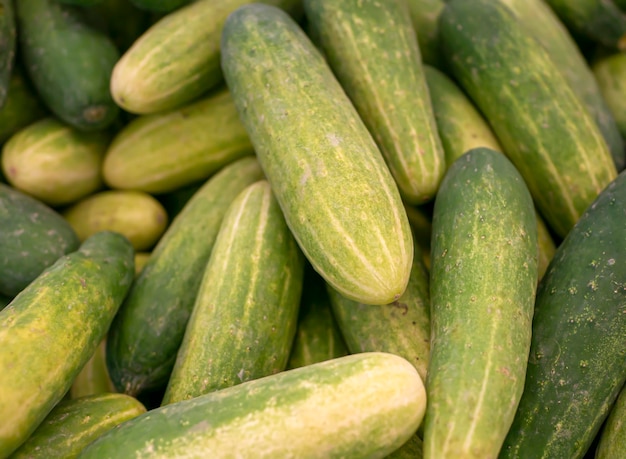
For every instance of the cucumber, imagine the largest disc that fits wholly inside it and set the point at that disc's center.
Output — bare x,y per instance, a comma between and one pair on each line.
55,162
93,378
69,63
612,443
364,405
32,237
337,194
122,33
401,327
610,72
52,328
387,88
482,287
74,424
576,363
135,214
424,15
548,29
412,449
8,45
542,125
147,332
177,59
159,6
165,151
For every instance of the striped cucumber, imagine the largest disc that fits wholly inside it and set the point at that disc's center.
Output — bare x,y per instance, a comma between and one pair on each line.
93,377
363,405
8,46
576,363
331,181
425,18
147,332
610,72
52,328
542,125
244,318
387,88
483,281
612,442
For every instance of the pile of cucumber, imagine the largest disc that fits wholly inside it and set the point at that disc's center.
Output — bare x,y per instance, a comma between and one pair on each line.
313,229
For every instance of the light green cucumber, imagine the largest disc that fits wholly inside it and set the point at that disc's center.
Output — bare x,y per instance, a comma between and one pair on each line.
372,49
8,46
52,328
610,73
331,181
55,162
74,424
425,17
245,314
482,287
147,332
135,214
612,443
364,405
165,151
93,377
178,58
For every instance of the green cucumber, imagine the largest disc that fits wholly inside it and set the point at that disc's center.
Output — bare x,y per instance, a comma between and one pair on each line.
424,15
364,405
331,181
165,151
52,328
8,45
612,442
32,237
482,286
576,363
610,73
178,58
122,32
69,63
55,162
540,122
74,424
147,332
548,29
401,327
135,214
387,88
93,377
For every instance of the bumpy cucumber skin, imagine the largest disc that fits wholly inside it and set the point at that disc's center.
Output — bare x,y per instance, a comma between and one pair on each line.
542,125
52,328
68,62
425,18
363,405
163,152
331,181
32,237
482,286
610,72
548,29
576,363
8,45
147,332
245,314
21,108
372,48
73,424
612,442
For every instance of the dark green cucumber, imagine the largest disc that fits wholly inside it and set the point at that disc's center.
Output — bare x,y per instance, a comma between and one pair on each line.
8,45
122,32
148,330
52,328
364,405
69,63
32,237
576,364
387,87
610,72
540,122
612,441
482,286
245,314
425,18
74,424
336,192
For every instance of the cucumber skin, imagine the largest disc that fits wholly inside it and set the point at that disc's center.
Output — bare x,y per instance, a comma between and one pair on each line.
71,304
290,102
73,424
482,286
577,352
32,237
612,443
364,405
537,117
69,63
388,89
245,314
8,47
149,327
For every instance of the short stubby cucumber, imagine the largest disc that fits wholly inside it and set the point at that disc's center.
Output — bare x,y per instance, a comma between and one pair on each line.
8,46
482,286
363,405
372,48
329,177
542,125
610,72
21,107
612,441
52,328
